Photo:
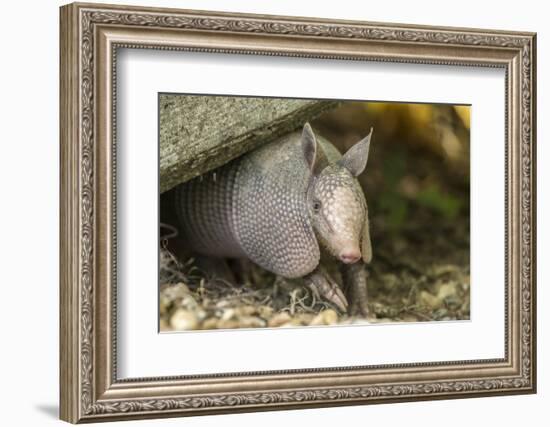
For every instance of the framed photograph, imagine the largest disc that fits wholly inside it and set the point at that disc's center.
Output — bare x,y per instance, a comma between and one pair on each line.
268,212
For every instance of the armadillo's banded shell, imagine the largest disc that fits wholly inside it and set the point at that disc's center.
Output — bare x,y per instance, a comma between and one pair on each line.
204,207
270,215
256,207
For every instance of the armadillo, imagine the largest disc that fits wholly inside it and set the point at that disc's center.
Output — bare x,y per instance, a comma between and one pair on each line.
281,206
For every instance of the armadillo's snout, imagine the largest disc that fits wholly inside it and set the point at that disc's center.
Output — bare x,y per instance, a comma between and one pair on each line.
350,255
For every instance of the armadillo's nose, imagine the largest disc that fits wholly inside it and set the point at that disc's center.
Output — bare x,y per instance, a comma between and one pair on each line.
350,255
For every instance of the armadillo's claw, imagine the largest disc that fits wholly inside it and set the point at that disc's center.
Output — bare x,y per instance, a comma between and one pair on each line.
322,284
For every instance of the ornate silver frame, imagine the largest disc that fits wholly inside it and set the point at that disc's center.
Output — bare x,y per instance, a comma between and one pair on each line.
90,36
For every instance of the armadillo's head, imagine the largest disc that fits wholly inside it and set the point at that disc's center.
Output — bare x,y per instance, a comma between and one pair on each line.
336,202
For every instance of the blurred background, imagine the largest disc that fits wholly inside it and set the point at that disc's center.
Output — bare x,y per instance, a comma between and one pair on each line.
417,186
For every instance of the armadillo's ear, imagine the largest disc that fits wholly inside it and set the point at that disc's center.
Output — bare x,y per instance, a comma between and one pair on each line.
366,247
356,157
313,154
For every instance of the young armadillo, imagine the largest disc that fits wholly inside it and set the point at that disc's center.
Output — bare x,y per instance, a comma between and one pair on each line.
280,206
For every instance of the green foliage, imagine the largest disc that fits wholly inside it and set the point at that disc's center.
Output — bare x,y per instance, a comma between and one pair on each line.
433,198
391,202
396,206
394,167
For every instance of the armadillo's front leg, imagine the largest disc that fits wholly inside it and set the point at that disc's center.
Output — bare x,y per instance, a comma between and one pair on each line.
355,284
321,283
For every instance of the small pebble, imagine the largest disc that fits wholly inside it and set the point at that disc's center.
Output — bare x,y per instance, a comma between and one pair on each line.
441,270
251,322
210,323
452,302
440,314
163,324
182,288
228,324
228,314
427,299
189,302
164,303
201,314
447,290
305,318
325,317
183,320
223,303
265,311
248,310
279,319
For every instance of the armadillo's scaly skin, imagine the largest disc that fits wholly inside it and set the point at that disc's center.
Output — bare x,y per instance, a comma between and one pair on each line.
255,206
271,219
204,210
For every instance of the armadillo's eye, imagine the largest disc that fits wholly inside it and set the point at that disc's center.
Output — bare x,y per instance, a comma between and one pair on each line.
316,206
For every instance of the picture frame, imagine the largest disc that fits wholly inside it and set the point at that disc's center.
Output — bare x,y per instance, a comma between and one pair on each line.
91,37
